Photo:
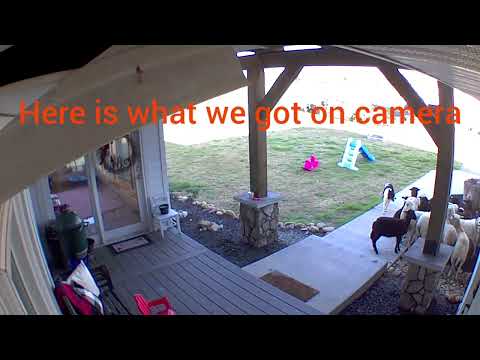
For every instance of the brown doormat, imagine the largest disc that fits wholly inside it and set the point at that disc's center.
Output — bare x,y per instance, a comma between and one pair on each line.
290,285
129,244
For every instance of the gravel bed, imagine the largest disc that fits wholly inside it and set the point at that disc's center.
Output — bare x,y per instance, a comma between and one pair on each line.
226,242
382,298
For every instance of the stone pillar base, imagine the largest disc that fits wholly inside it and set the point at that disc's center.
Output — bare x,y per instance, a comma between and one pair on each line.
259,219
419,289
423,274
258,227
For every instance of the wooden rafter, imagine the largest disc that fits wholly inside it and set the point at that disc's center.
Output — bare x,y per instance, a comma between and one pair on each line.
283,82
411,97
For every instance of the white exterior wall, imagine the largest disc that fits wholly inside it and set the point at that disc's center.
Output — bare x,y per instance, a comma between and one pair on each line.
26,286
154,165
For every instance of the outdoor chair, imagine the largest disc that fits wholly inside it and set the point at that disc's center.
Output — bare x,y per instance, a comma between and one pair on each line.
145,307
162,222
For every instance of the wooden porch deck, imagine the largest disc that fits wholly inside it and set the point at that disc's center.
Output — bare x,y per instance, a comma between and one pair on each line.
196,280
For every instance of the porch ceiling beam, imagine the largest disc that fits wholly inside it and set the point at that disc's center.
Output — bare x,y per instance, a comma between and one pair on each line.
328,56
411,97
283,82
443,178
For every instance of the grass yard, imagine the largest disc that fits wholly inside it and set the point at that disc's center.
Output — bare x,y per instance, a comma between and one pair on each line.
215,171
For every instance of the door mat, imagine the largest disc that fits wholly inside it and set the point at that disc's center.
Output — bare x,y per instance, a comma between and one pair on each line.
129,244
290,286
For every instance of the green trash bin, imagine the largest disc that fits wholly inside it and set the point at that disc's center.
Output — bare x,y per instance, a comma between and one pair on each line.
72,231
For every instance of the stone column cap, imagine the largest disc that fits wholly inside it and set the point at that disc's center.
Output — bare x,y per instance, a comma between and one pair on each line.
438,262
246,199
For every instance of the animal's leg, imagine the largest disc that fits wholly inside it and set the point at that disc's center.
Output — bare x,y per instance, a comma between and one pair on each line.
397,245
374,243
457,274
385,205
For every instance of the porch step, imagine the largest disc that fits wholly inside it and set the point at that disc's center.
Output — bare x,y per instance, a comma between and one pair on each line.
338,273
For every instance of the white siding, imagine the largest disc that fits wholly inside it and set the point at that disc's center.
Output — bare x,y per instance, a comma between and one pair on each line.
154,164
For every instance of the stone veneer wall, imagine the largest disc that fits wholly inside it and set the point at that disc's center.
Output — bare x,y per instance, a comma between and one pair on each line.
418,289
258,226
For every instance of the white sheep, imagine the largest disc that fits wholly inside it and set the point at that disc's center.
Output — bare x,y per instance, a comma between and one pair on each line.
409,204
472,229
460,251
449,233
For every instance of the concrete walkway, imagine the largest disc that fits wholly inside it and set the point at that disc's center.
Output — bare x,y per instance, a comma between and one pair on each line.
342,265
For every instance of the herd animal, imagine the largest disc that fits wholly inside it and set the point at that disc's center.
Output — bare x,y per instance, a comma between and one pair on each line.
393,227
388,196
411,222
460,251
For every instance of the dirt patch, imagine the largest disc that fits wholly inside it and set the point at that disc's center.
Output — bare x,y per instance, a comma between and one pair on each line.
226,242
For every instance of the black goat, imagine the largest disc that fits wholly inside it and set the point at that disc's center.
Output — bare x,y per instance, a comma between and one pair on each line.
425,204
391,227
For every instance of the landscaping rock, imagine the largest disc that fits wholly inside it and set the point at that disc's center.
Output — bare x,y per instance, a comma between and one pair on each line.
328,229
206,225
215,227
182,198
453,298
219,213
321,225
230,213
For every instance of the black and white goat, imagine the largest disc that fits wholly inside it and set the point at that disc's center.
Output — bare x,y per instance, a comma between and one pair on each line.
393,227
388,196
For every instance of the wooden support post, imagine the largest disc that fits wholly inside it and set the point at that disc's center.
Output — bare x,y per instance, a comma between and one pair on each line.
443,179
443,135
257,138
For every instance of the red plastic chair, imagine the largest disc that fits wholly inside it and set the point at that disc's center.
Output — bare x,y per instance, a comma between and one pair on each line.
145,307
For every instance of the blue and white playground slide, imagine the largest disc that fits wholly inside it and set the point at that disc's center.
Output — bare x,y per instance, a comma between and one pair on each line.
352,149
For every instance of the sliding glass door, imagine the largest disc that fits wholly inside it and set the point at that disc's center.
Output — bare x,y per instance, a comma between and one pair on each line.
118,188
106,188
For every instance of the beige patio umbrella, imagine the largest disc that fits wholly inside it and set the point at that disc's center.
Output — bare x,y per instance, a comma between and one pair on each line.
173,75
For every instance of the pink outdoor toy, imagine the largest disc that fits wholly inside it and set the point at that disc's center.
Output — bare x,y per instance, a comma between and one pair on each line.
145,307
311,164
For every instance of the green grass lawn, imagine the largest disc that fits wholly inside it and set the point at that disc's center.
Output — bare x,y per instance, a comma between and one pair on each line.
215,171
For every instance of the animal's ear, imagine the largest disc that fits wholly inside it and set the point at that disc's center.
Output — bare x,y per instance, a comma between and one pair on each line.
404,197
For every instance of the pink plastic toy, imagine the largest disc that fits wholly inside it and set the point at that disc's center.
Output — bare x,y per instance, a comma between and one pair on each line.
145,306
311,164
